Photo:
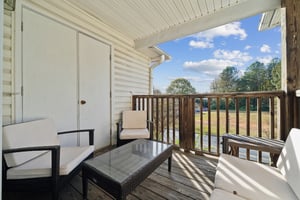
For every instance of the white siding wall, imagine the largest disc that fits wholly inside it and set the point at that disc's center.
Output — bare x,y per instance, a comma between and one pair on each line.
1,76
130,68
7,68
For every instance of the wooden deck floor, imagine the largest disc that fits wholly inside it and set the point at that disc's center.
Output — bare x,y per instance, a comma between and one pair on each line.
192,177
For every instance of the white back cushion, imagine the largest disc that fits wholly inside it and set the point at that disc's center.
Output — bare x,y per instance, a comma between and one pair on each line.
289,160
29,134
134,119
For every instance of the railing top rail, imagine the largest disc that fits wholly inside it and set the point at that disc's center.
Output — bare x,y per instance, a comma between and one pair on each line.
279,93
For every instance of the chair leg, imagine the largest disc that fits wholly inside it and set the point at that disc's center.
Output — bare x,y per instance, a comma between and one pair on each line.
55,195
55,192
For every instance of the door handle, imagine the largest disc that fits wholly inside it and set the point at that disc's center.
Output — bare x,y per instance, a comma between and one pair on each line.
82,102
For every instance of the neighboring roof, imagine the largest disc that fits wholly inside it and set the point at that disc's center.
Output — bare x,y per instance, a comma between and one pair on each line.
155,54
270,19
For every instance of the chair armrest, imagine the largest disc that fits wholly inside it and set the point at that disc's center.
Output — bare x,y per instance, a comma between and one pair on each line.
235,142
36,148
55,157
255,143
90,131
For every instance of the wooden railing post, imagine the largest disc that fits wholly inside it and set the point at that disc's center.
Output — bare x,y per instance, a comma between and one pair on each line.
290,77
174,118
187,118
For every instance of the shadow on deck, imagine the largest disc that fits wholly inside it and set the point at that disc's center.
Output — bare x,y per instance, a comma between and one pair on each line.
192,177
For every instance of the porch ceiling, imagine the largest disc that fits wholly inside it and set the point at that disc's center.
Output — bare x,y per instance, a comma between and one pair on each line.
150,22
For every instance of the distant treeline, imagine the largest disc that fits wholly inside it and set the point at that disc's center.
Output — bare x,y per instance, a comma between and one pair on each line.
257,77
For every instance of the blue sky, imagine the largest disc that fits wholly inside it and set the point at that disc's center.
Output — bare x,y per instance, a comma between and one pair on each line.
202,56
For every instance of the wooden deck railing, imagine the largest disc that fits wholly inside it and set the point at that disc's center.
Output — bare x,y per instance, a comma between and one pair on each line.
196,122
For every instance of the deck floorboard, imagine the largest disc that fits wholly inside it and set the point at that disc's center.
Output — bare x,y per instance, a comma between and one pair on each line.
192,177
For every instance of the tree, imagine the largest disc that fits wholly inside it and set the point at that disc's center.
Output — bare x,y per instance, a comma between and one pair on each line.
156,91
273,79
181,86
276,74
227,81
214,85
254,78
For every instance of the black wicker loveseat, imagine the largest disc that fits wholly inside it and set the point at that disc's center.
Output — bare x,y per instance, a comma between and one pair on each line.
34,160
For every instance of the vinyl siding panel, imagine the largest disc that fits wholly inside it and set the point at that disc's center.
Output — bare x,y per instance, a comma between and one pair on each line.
131,76
129,67
7,107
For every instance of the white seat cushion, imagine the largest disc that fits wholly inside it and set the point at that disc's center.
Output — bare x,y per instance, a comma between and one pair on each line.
29,134
218,194
134,134
134,119
251,180
70,157
289,160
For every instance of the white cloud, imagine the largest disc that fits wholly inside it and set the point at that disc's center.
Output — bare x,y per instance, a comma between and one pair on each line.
222,59
235,55
205,39
197,79
210,67
266,60
231,29
247,47
265,48
201,44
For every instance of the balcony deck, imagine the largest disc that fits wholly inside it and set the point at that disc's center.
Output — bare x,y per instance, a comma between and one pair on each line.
192,177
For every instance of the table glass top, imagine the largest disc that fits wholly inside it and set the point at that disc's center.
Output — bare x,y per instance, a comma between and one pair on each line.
122,162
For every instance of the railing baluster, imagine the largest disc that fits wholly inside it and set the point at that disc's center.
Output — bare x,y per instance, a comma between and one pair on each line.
237,116
248,116
180,121
209,124
259,125
157,119
218,125
168,120
152,114
177,112
283,131
162,118
201,124
248,123
174,120
143,103
133,103
139,104
272,120
147,101
227,114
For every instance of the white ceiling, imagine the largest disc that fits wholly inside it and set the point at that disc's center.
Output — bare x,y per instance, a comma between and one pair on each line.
150,22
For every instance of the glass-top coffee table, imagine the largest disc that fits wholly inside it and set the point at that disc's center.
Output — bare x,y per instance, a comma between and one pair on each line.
119,171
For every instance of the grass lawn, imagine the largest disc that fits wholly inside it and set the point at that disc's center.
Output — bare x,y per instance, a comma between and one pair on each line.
232,123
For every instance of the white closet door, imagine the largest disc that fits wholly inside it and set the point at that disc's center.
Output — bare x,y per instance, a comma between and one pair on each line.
49,70
94,88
